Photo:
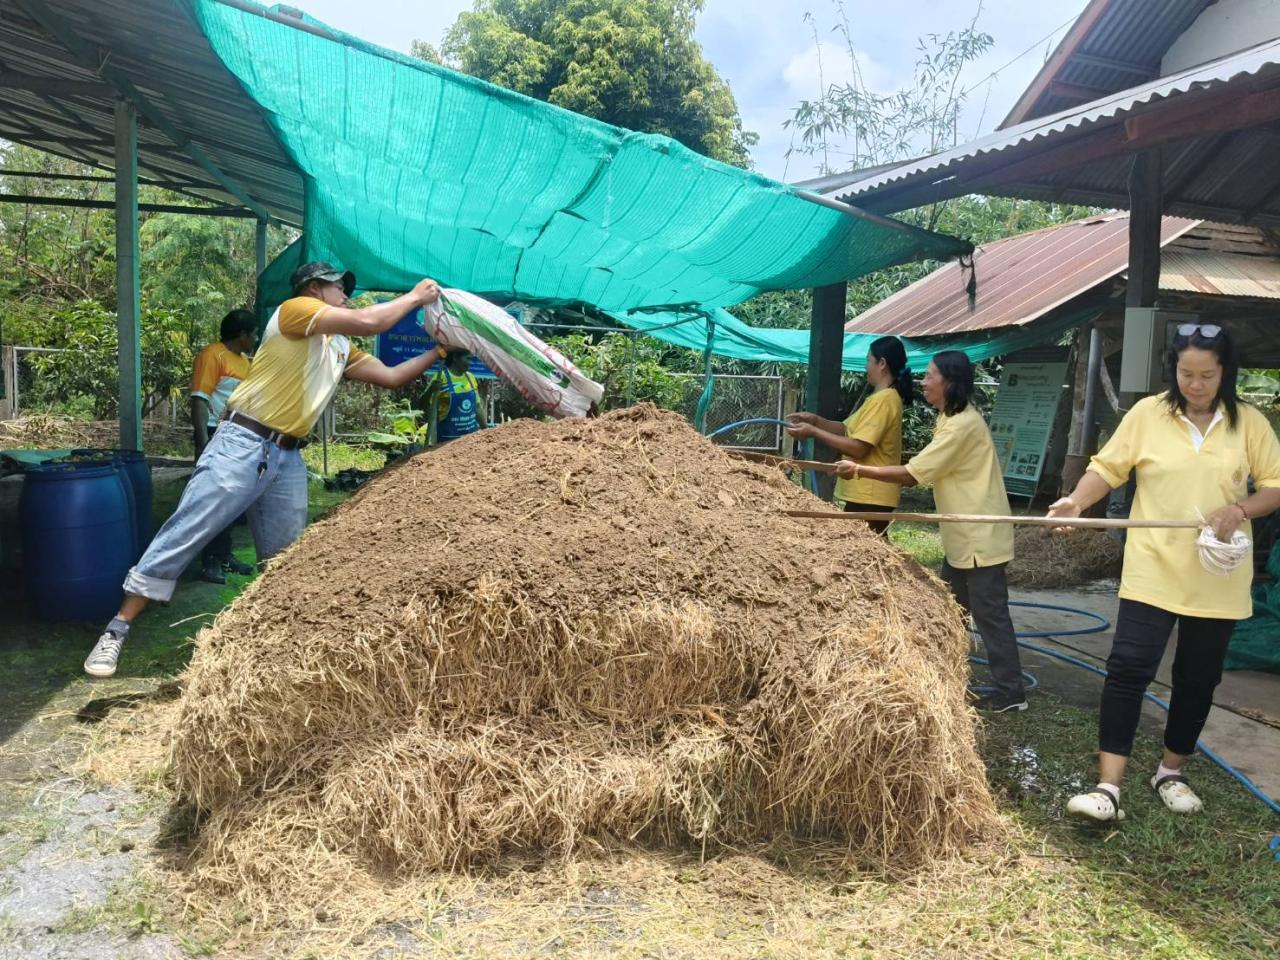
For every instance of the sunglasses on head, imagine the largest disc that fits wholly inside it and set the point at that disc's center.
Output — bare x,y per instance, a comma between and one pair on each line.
1206,330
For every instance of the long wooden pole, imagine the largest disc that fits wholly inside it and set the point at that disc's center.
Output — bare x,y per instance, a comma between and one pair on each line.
1087,523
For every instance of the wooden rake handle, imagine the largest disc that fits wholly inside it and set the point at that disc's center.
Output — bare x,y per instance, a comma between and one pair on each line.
773,460
1086,523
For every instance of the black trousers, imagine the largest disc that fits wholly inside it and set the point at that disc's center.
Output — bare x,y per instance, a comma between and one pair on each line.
877,526
217,550
1142,633
984,594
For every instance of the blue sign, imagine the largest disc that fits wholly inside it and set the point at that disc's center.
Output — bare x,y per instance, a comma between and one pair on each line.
407,339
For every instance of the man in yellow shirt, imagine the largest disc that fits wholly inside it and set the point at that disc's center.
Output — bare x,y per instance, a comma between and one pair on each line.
217,371
960,463
253,462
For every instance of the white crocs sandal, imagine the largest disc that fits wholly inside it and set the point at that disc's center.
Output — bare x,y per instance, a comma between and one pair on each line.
1176,793
1099,804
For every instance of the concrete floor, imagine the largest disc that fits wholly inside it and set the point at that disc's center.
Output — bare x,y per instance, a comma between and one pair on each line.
1243,728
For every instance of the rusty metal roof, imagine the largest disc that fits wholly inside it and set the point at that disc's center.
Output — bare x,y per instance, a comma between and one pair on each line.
1219,274
59,60
1211,121
1019,279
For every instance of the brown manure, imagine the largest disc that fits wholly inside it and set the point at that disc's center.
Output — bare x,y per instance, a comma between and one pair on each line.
551,635
1042,558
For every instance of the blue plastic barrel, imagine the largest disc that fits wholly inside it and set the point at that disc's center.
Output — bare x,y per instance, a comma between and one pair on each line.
138,473
77,538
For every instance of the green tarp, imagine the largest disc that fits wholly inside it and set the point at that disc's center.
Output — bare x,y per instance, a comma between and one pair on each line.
733,338
413,169
1255,643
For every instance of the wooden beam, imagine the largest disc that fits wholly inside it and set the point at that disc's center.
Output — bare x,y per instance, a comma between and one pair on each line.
54,87
1145,213
1076,91
1023,109
1231,110
822,380
91,57
128,286
87,204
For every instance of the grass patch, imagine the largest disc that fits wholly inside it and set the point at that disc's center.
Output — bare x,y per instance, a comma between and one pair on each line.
921,540
343,456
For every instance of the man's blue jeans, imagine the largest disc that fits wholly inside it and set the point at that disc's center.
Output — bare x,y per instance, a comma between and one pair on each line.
238,471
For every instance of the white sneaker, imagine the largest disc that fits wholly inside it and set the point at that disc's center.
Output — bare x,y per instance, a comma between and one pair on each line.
1098,804
1176,793
101,661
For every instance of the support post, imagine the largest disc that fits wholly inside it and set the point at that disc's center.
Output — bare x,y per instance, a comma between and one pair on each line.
1145,211
822,383
260,248
128,296
1092,384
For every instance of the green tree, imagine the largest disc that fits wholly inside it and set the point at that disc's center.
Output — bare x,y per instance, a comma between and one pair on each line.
84,374
632,63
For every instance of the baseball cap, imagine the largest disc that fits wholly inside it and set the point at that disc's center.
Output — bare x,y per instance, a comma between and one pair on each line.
322,270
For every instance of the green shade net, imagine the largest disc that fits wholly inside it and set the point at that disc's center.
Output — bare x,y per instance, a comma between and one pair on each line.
1255,643
730,337
412,169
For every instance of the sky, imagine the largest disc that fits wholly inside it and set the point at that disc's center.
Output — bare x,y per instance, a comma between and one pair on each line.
767,52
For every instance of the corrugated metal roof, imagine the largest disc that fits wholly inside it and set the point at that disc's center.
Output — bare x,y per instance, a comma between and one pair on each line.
160,50
1122,46
1219,274
1019,279
1224,177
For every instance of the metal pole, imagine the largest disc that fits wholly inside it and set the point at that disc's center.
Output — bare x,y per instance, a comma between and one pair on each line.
1092,384
631,365
128,296
822,381
260,248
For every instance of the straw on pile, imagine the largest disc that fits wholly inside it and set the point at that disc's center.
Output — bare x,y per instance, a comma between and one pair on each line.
548,634
1042,558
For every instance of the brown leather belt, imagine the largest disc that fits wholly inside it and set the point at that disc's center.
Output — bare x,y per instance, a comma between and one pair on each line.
285,441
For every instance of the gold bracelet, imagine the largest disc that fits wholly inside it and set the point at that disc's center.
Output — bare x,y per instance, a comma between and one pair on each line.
1244,514
856,465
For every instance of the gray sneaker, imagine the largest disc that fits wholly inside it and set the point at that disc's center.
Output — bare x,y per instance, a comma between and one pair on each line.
102,658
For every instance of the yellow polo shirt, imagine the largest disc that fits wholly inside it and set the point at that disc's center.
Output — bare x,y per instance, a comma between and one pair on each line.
1174,480
877,422
296,370
960,464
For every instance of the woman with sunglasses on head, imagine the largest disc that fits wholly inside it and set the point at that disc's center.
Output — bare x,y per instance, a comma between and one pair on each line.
872,434
960,463
1193,449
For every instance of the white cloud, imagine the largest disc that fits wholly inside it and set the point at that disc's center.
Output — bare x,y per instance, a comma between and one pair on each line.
823,64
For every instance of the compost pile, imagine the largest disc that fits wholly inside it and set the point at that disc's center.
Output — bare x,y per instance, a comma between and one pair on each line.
547,635
1045,559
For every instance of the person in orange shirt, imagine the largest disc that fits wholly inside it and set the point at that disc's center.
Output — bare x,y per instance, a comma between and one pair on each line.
217,371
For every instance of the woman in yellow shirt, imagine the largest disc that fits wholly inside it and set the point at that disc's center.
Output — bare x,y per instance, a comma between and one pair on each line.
960,463
872,434
1193,448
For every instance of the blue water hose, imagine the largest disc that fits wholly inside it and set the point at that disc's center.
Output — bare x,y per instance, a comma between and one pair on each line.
811,480
1101,624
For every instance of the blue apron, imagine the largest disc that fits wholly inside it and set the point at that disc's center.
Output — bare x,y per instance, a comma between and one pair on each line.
461,418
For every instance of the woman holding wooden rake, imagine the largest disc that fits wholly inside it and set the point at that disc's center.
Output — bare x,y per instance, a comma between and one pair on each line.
1193,449
872,434
960,463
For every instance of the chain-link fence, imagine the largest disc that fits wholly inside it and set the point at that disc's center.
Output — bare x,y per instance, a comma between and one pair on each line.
735,398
